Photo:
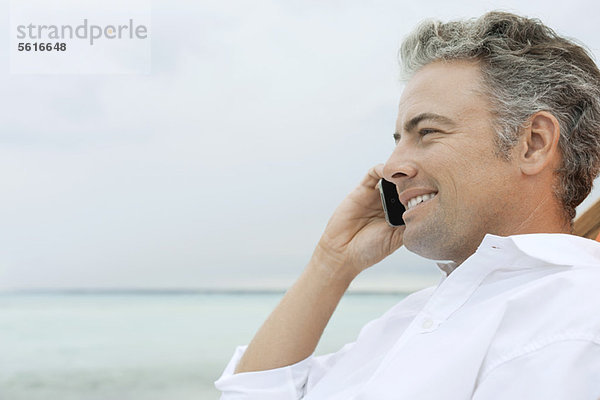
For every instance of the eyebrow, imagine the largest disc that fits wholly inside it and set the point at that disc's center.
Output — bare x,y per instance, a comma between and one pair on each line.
413,122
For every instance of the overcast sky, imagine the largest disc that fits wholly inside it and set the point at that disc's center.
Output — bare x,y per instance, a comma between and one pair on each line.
221,167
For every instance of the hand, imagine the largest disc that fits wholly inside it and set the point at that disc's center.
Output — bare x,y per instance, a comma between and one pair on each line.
357,235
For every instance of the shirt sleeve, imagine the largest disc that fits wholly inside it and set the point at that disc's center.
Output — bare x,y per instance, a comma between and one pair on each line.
291,382
565,370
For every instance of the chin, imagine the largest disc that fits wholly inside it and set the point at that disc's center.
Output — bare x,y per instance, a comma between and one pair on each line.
429,252
428,244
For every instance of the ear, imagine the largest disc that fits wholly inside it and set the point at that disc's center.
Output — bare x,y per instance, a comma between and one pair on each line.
539,143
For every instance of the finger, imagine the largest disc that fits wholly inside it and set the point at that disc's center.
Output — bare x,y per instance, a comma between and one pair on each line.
373,177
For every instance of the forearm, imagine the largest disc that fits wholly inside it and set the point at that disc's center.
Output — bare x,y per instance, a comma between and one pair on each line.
292,331
356,237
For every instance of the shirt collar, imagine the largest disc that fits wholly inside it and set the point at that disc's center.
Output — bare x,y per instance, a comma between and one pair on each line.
552,248
559,248
510,253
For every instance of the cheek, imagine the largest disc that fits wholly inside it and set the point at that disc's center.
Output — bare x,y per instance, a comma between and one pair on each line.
468,161
465,178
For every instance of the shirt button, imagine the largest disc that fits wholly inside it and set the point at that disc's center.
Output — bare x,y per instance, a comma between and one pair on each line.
428,323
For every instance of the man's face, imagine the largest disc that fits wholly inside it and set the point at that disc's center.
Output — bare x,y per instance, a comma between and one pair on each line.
446,148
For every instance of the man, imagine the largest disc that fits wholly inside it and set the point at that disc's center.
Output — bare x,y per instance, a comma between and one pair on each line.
498,140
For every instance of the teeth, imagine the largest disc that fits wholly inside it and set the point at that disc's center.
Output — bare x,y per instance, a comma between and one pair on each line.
419,199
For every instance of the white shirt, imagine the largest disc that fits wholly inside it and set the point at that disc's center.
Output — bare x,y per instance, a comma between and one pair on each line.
519,319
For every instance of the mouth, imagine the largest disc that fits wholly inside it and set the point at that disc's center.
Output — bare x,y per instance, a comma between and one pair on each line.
418,201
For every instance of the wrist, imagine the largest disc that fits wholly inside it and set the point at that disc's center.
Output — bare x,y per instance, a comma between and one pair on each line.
332,268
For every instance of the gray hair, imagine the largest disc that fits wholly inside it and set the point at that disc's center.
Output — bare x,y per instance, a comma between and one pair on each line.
526,67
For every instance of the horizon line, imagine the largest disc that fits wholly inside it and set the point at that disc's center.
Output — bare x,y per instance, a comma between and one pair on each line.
177,291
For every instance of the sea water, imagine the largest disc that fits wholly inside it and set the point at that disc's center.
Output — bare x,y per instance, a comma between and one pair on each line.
146,346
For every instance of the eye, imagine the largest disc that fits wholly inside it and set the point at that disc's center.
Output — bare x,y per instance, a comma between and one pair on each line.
426,131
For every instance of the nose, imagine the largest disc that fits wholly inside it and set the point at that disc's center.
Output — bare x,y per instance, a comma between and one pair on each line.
400,165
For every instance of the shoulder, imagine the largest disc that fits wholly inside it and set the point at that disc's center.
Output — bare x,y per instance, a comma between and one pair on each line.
567,299
565,280
575,287
559,308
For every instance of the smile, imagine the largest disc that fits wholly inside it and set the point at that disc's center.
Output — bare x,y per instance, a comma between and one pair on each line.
419,199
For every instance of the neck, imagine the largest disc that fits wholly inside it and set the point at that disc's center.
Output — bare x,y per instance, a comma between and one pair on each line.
545,216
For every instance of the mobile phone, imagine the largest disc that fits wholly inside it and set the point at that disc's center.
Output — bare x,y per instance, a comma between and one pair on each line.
392,207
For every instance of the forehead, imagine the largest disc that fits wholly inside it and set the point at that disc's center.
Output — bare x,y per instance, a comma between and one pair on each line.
449,88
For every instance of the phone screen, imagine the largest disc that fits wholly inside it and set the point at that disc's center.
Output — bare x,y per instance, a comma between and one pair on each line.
392,206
